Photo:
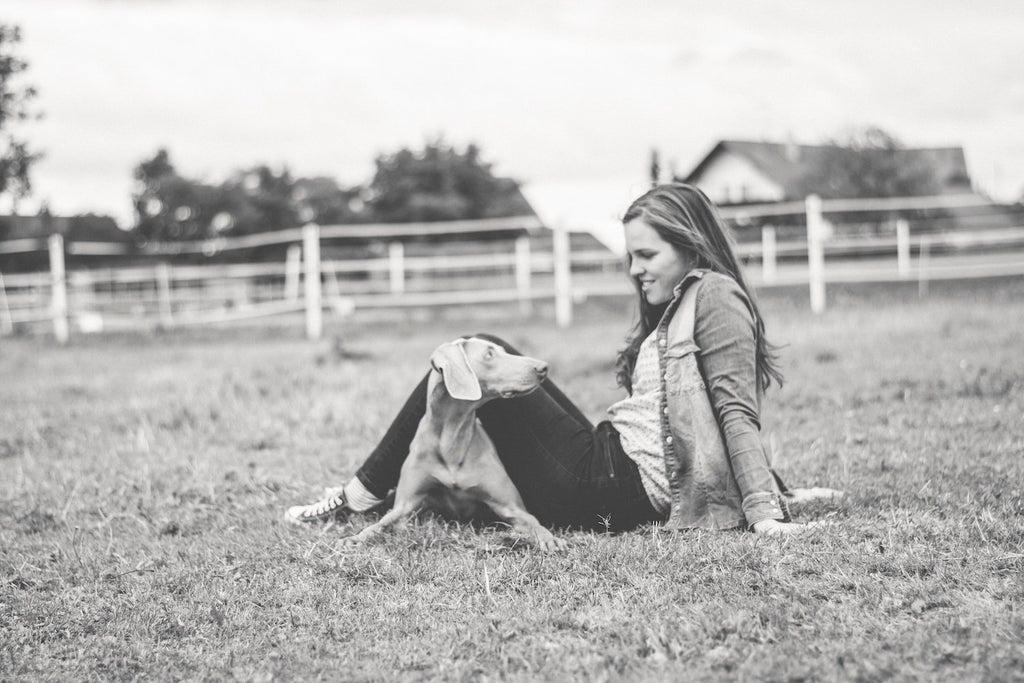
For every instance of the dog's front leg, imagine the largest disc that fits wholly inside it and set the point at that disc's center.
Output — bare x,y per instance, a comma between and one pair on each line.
403,508
503,497
413,486
528,526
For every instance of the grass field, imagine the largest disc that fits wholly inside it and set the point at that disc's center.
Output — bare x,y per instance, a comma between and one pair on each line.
144,478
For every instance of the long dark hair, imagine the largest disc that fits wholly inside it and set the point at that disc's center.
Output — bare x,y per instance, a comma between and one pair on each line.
683,216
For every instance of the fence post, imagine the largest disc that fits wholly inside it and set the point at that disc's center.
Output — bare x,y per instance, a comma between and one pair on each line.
396,267
311,257
563,275
331,284
903,248
163,285
292,269
922,266
769,272
523,273
6,321
815,252
59,297
240,295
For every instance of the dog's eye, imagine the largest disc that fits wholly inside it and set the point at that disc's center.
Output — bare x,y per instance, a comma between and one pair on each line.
490,354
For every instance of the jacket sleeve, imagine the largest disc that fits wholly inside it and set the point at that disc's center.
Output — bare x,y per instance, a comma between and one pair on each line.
725,332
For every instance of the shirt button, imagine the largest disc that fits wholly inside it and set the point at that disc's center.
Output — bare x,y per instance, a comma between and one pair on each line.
668,439
661,342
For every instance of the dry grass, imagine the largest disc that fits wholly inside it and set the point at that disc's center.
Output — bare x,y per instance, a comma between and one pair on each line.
144,481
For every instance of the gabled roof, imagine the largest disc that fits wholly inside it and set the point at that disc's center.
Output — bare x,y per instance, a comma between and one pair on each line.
786,163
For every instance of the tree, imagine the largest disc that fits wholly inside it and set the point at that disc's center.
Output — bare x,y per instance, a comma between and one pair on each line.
441,183
868,162
169,206
16,157
437,183
260,199
324,201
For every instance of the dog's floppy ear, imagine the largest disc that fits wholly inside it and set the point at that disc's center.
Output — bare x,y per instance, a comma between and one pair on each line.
451,361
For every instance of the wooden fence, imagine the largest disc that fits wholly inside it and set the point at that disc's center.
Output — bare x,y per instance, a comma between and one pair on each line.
303,284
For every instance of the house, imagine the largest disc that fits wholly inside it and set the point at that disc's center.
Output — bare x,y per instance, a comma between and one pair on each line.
740,172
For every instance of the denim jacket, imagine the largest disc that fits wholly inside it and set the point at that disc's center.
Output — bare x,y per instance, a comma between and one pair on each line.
719,474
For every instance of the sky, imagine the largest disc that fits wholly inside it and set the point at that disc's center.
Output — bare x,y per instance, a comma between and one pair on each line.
568,97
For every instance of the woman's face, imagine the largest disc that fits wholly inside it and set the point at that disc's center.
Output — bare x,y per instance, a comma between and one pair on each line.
655,263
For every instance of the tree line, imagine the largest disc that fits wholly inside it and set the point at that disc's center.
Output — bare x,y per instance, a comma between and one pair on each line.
438,182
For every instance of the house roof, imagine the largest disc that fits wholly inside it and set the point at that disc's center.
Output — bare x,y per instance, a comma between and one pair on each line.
786,163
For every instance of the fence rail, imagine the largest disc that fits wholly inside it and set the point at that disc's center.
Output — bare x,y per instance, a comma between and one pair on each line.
169,295
865,204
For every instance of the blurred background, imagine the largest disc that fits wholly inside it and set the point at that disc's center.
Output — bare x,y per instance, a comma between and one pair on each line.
129,126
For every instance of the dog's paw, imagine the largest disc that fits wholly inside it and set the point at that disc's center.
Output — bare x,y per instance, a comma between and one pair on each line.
550,543
352,541
557,545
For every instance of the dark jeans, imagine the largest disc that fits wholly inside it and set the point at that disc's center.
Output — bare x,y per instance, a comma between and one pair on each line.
569,473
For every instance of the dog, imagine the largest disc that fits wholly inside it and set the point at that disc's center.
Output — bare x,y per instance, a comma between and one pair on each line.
452,466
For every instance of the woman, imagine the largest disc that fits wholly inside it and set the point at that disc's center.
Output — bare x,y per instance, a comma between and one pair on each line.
683,447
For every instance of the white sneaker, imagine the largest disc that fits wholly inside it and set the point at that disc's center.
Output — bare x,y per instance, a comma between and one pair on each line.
332,506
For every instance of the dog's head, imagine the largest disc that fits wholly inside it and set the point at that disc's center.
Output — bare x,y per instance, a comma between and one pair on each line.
475,369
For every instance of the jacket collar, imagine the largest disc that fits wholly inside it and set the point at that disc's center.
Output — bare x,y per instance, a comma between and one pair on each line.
677,294
695,274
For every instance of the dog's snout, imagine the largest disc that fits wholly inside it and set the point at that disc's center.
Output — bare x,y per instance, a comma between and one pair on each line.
541,369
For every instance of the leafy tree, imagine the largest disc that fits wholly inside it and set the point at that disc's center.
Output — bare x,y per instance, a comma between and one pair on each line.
867,163
440,183
437,183
324,201
16,157
259,199
169,206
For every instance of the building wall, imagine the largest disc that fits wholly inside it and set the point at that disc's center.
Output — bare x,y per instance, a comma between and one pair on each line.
729,179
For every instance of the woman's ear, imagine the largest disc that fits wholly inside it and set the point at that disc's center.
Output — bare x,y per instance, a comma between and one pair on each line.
451,361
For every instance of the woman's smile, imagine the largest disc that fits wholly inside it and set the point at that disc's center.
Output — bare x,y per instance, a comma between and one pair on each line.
657,265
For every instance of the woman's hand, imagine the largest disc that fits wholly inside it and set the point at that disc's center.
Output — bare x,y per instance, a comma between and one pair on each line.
774,527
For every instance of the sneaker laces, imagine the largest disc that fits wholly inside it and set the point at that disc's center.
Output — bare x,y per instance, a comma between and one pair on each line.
328,504
322,509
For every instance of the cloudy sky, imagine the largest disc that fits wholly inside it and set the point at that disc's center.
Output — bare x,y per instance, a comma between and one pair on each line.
558,93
